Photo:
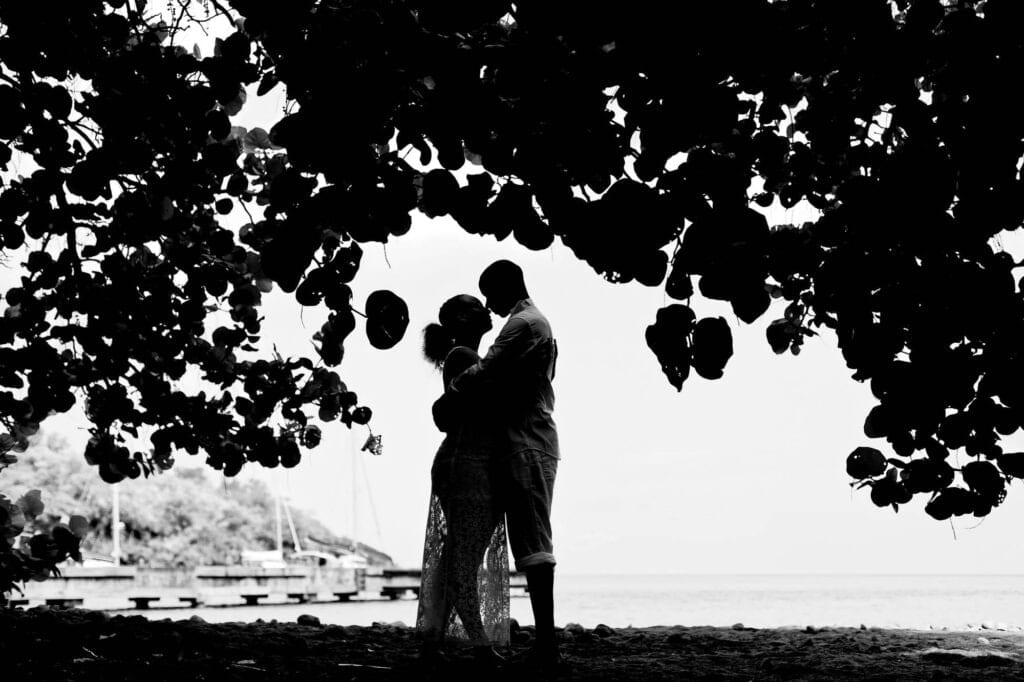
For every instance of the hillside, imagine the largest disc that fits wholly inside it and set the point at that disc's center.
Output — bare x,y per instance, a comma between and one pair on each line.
185,516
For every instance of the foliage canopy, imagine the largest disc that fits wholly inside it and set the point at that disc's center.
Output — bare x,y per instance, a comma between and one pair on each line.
643,135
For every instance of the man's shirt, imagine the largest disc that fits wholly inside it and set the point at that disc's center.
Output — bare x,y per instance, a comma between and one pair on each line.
517,371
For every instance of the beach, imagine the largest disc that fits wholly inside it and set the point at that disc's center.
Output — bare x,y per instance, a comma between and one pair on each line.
922,602
74,644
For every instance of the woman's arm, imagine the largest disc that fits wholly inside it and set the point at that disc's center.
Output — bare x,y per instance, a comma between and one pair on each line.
448,410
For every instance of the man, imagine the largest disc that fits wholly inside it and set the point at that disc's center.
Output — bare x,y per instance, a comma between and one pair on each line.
518,368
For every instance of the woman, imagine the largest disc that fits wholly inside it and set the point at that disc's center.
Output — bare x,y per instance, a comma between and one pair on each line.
464,584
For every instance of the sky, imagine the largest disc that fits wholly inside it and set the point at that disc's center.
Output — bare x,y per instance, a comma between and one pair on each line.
745,474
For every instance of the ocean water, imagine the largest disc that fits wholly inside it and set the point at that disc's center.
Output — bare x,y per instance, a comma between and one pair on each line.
907,601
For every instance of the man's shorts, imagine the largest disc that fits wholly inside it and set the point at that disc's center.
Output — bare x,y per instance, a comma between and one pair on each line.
527,485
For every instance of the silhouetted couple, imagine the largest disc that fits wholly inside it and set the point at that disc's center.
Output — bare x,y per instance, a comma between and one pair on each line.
495,470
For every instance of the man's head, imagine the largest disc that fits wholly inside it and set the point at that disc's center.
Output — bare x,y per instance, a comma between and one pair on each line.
502,285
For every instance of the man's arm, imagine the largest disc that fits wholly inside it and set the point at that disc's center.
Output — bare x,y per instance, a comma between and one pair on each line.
501,360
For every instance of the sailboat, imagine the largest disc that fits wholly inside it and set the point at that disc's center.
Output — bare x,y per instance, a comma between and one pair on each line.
273,558
350,553
347,553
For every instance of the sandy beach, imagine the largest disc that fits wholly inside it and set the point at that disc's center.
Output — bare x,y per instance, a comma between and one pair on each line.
75,644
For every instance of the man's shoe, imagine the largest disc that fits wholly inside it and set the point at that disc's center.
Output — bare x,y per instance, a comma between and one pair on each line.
431,656
545,657
486,656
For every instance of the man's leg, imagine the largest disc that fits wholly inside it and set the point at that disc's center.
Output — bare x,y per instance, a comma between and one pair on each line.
540,580
528,498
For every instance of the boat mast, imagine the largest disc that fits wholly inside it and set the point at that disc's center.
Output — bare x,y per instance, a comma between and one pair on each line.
115,525
291,527
277,514
355,461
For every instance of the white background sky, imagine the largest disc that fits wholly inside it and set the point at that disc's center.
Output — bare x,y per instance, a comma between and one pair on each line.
741,475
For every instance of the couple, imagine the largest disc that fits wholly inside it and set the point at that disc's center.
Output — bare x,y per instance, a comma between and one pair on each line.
495,470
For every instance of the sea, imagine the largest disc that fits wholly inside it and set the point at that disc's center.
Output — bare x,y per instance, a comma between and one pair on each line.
955,602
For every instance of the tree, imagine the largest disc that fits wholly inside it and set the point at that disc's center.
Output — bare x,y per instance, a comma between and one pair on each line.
645,136
30,548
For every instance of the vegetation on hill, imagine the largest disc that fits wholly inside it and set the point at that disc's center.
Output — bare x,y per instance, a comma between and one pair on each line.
183,516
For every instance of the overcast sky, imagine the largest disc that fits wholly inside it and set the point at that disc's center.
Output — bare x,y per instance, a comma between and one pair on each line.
741,475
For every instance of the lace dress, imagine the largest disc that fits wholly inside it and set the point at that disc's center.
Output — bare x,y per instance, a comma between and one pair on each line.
464,593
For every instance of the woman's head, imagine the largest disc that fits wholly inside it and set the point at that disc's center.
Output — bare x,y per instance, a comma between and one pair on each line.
462,321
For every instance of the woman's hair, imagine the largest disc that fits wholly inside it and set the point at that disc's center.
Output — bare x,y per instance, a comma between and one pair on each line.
437,343
454,320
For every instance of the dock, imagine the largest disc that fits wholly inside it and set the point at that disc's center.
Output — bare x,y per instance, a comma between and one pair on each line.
120,588
397,582
139,588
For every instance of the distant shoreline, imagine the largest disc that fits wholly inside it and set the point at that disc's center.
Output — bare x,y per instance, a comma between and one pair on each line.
789,574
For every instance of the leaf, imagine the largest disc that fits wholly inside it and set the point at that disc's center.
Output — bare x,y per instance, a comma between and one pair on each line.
257,138
166,209
79,525
984,479
15,522
290,453
311,436
712,347
878,423
267,83
668,337
361,415
951,501
31,504
865,463
780,335
751,303
438,193
387,317
232,107
679,285
1012,464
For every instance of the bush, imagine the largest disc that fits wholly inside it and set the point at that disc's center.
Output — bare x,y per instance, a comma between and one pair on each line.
33,556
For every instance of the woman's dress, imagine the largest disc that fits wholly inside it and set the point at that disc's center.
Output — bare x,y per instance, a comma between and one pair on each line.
464,593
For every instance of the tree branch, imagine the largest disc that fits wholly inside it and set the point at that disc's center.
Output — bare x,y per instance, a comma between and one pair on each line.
222,10
62,202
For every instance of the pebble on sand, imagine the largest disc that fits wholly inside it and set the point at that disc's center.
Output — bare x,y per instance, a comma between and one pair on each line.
92,649
969,657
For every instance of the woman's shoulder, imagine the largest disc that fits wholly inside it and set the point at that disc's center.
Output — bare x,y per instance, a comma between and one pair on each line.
457,360
460,352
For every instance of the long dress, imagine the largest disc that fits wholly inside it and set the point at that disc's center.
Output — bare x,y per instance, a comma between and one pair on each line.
464,592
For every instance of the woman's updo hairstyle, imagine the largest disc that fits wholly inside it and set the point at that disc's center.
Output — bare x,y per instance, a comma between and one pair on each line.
453,319
437,343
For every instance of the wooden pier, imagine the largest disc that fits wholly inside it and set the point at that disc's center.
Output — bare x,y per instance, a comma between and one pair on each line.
127,587
116,587
399,582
